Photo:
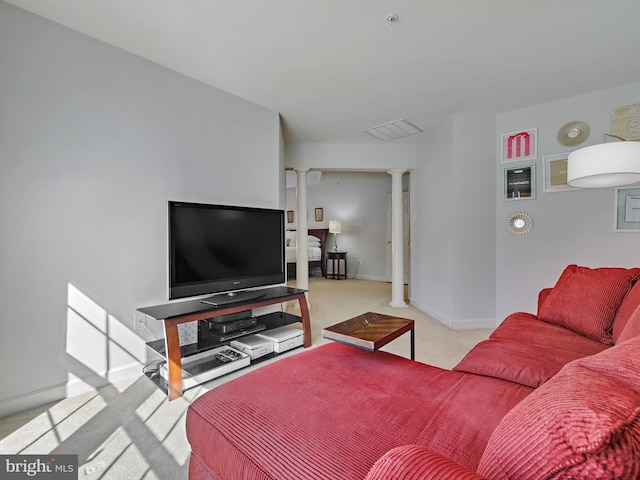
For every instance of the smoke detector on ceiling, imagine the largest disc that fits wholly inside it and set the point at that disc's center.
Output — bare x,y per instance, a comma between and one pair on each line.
391,18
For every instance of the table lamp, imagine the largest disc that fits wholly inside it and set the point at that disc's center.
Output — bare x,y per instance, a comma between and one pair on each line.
335,227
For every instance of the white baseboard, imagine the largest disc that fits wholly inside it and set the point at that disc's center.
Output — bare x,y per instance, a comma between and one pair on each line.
73,387
27,401
472,324
454,324
443,319
370,277
77,386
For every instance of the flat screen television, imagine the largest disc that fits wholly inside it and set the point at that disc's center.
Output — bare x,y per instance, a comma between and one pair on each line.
221,249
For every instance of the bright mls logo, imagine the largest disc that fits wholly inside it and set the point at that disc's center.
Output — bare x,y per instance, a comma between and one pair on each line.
50,467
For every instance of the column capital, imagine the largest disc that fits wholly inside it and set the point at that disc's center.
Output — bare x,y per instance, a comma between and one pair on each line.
301,170
396,171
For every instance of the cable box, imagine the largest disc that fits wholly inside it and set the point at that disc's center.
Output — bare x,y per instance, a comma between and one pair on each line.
223,337
228,327
230,317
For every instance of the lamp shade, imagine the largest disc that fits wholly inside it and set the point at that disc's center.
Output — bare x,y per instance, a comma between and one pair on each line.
604,165
335,226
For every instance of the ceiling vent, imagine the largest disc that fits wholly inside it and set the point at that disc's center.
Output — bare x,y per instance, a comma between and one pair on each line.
393,130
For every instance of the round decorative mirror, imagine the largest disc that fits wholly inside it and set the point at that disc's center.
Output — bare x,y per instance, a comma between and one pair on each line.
520,223
573,133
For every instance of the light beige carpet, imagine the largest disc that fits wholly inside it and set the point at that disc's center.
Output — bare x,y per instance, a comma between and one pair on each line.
130,431
335,300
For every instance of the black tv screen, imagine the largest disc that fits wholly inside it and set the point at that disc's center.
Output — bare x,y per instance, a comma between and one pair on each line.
221,248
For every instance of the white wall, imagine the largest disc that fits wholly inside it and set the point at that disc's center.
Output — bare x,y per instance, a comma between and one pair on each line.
474,261
569,227
453,222
432,219
359,200
458,263
93,143
365,157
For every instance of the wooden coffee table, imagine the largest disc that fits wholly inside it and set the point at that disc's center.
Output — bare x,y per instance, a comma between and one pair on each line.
371,331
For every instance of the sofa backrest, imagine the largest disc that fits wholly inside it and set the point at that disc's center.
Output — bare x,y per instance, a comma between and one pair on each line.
632,327
582,423
542,296
630,306
586,300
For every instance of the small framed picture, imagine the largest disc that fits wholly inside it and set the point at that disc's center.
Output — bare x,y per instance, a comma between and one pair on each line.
627,213
289,216
555,173
519,146
318,215
520,182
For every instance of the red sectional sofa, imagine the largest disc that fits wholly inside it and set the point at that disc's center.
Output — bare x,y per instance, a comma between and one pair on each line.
552,395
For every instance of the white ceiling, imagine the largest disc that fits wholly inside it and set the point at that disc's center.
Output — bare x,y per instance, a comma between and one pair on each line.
333,68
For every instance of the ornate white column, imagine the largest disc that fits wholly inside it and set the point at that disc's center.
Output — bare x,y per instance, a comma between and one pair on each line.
302,267
397,260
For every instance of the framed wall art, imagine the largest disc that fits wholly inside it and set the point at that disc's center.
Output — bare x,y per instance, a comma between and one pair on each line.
520,182
627,213
519,145
625,122
555,173
319,215
289,216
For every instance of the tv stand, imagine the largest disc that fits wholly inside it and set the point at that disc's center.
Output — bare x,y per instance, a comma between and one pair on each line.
173,314
233,297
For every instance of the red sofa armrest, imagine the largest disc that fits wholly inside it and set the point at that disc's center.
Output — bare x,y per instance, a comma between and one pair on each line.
416,462
542,296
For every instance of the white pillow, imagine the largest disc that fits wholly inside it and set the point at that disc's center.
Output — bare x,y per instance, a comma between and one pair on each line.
313,241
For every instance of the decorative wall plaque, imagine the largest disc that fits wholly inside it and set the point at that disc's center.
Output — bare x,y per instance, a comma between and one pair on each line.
573,133
625,122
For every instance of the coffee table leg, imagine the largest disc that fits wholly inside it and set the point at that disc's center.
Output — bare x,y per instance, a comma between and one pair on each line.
413,345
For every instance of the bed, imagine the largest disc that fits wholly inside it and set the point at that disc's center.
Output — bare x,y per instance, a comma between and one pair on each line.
316,246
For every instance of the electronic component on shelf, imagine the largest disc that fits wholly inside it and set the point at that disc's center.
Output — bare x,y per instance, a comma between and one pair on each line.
254,346
230,317
205,366
283,338
232,326
237,333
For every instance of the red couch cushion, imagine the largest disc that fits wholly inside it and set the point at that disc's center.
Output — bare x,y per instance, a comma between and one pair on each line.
631,328
530,365
527,329
415,462
333,410
582,423
586,300
629,305
542,296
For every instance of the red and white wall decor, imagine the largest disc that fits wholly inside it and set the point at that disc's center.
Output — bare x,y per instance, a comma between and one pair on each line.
519,145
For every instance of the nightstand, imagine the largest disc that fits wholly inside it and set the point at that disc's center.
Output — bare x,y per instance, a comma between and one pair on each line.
336,257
